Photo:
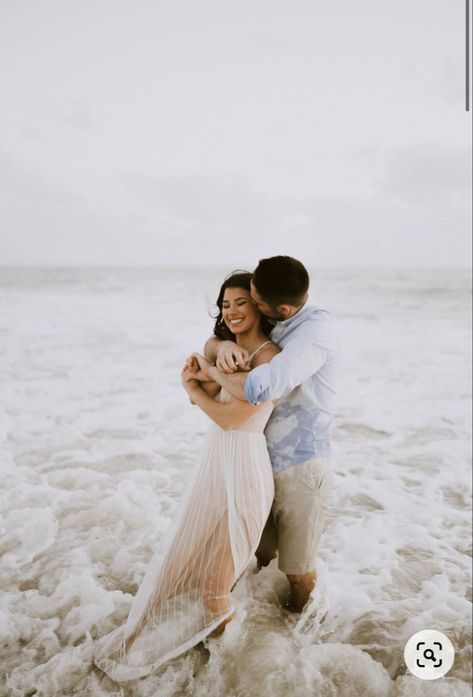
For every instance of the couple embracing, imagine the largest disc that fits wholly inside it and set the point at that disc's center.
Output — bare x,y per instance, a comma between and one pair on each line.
263,483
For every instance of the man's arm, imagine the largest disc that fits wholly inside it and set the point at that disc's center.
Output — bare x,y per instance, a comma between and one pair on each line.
228,415
234,383
300,358
210,388
226,355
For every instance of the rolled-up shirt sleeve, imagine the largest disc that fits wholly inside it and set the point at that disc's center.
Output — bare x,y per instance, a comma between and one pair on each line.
300,358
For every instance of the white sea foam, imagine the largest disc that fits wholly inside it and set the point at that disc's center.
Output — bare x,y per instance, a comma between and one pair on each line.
98,442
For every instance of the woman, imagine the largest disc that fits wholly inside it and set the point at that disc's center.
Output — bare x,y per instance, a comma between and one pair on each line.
185,593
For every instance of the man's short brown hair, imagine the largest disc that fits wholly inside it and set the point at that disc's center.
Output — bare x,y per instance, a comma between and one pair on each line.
281,280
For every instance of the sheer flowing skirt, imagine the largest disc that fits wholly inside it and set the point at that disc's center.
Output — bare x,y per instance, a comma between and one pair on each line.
185,593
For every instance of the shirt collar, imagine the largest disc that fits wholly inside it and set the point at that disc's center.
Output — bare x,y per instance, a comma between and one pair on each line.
285,323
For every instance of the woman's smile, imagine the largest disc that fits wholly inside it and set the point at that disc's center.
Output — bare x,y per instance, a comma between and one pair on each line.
238,311
235,322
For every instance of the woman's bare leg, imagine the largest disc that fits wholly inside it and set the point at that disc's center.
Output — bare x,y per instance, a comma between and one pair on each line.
219,575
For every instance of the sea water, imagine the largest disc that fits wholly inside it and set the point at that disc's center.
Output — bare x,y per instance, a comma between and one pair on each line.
98,442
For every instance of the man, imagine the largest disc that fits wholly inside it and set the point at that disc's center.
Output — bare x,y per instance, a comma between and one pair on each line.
302,377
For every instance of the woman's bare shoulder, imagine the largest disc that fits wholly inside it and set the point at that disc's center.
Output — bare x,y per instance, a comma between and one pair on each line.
265,355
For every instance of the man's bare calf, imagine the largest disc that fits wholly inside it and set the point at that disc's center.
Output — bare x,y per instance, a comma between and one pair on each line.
301,587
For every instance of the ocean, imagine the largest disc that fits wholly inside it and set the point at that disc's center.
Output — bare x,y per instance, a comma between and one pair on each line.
98,442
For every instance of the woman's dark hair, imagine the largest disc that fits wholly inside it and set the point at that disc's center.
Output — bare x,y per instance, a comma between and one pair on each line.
281,280
236,279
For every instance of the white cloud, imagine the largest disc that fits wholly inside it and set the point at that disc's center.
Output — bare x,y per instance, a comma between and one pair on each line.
129,129
428,174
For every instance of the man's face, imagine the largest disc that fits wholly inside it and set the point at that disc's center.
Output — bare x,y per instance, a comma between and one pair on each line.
263,306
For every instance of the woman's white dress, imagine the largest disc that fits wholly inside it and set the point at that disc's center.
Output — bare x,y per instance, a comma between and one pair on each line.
185,593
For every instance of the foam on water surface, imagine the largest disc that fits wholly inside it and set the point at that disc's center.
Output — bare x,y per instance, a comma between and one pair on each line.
98,443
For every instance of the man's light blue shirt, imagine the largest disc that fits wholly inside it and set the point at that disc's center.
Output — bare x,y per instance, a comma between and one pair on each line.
302,377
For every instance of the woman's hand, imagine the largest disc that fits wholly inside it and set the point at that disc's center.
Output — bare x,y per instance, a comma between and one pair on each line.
189,380
200,367
231,357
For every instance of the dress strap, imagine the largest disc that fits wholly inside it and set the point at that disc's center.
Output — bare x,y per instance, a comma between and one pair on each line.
252,355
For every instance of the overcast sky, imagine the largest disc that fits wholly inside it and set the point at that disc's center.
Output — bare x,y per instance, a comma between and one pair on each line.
221,131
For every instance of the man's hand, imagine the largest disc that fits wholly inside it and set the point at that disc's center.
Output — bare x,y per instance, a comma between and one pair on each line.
231,357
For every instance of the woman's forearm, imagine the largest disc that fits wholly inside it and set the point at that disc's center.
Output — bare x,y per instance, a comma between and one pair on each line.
214,410
227,415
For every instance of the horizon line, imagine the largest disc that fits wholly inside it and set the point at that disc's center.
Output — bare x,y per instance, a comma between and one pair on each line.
187,266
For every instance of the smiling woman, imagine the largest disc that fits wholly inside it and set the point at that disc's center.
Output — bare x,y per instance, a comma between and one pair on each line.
185,595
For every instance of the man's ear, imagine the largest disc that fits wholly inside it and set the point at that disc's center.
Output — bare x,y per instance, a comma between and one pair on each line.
284,310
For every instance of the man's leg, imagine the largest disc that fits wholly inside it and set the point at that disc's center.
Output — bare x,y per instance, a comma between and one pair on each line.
302,494
268,544
301,586
264,559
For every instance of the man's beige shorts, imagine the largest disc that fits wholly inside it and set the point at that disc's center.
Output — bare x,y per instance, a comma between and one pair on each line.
298,515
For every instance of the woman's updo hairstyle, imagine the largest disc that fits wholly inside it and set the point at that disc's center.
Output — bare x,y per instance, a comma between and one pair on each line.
236,279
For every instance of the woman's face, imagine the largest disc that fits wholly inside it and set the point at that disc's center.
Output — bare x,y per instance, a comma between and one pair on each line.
238,310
